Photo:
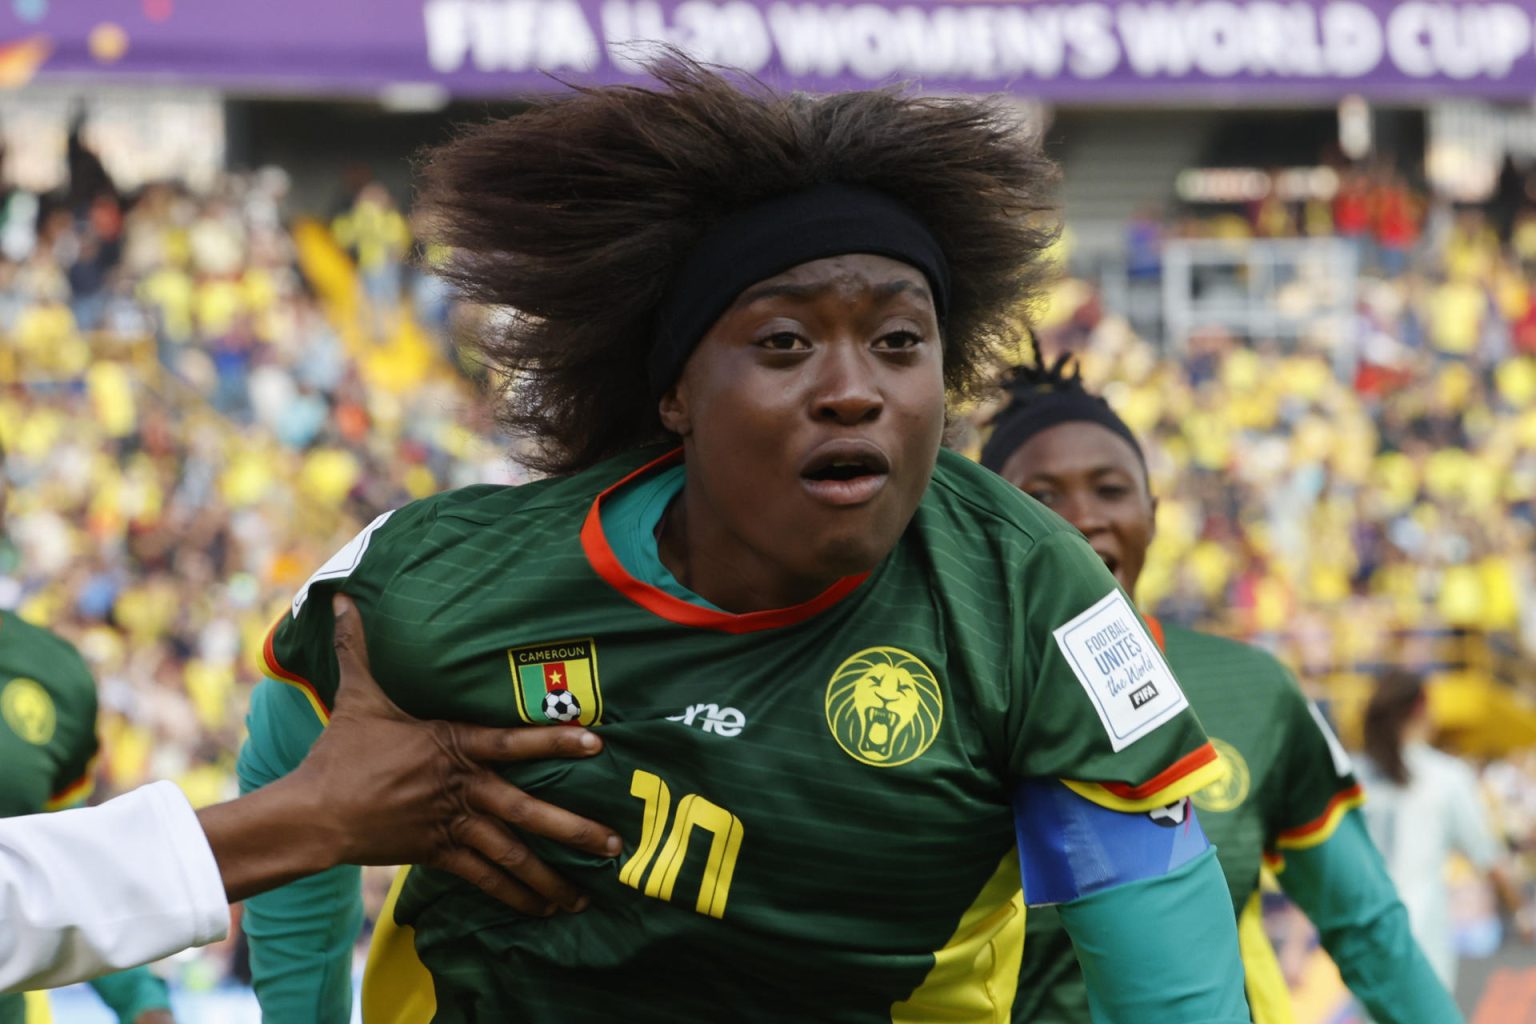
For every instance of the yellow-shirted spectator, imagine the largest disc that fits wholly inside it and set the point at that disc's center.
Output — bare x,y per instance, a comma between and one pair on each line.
1456,310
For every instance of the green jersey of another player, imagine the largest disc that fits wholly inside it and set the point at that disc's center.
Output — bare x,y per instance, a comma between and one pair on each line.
47,746
1288,791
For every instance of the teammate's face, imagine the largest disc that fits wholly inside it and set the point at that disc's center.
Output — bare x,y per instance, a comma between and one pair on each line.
811,416
1091,477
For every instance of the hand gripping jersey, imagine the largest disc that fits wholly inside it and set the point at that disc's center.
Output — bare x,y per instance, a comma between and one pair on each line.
815,801
1287,784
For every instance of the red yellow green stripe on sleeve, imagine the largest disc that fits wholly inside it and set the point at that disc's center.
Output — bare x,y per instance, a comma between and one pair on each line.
1189,774
76,792
304,686
1316,831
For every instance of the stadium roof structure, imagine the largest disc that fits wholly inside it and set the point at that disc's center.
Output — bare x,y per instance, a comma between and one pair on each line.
1064,51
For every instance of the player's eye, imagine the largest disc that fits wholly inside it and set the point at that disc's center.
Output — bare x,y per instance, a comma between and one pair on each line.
783,341
1043,496
899,340
1113,492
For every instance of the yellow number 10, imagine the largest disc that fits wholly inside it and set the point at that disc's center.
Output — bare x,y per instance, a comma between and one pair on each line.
693,811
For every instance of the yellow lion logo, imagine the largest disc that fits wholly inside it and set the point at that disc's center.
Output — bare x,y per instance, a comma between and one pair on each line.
884,707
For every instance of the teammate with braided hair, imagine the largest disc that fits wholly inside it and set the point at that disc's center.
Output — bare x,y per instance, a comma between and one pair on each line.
823,655
1288,796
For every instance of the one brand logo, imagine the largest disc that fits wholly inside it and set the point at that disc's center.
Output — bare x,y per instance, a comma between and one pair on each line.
1143,694
1231,789
712,718
28,710
557,682
884,707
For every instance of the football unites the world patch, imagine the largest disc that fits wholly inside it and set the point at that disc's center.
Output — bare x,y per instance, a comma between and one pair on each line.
884,706
1113,656
557,682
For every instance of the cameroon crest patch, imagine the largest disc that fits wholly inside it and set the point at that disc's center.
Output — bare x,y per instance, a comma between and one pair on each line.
28,710
1231,789
557,683
884,707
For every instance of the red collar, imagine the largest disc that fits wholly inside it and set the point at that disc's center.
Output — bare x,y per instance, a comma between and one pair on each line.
674,609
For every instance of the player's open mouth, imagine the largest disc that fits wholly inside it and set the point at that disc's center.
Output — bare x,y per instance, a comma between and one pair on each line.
845,473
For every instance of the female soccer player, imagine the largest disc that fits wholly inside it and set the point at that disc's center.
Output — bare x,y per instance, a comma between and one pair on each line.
822,655
1289,795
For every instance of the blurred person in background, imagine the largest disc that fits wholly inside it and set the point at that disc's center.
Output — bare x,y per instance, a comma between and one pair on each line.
48,750
1425,806
1288,797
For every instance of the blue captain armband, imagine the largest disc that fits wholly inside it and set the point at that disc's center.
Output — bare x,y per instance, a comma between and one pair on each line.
1070,846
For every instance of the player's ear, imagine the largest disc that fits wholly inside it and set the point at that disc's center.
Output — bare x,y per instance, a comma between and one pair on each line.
673,408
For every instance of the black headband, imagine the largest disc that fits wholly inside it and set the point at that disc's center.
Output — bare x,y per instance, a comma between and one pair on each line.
1042,410
771,237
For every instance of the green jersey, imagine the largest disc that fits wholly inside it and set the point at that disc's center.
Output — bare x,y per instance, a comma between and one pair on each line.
47,720
815,801
47,748
1286,785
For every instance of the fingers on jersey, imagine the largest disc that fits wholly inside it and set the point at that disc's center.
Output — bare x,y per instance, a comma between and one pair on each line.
528,743
489,856
503,801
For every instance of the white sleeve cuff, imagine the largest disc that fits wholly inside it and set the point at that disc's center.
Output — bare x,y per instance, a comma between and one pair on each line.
99,889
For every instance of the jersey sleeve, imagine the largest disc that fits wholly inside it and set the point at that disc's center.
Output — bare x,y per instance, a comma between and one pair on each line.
132,992
298,649
1160,949
301,934
1342,885
1098,706
1316,782
1071,847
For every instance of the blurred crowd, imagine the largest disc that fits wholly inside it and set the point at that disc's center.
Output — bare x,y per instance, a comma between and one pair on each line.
202,397
1333,491
199,402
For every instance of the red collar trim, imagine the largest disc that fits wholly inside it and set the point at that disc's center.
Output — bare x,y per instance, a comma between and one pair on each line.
658,602
1156,629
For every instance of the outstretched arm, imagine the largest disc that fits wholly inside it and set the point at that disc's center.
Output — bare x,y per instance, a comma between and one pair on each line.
1342,885
104,888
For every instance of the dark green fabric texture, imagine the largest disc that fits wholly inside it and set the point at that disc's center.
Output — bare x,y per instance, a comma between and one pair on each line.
846,875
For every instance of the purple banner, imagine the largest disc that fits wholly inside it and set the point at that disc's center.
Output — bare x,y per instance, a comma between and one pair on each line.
1062,51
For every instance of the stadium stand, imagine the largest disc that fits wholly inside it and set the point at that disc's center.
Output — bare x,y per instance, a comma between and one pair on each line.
201,398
